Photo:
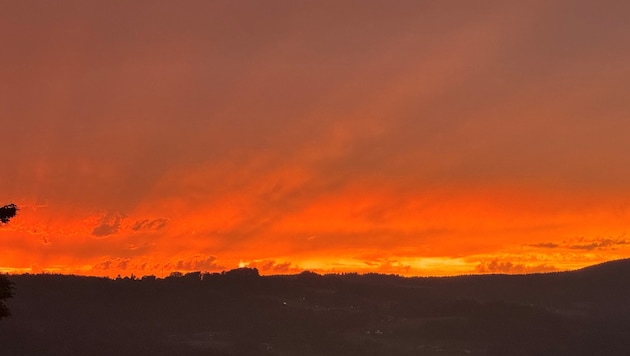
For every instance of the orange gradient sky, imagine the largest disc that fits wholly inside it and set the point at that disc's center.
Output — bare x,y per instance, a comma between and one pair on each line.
408,137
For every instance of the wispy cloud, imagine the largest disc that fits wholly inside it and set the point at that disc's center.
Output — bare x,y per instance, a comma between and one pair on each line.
587,244
147,265
505,266
108,225
599,244
147,224
545,245
271,267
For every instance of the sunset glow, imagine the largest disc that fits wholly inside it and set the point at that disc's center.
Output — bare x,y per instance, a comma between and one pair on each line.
414,138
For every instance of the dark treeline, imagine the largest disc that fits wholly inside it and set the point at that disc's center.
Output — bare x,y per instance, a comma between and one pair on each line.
6,292
238,312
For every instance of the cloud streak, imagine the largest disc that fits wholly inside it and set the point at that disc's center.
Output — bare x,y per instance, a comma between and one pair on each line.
109,225
146,224
498,266
600,244
587,244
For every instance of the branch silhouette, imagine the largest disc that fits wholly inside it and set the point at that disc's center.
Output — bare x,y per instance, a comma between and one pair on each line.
7,212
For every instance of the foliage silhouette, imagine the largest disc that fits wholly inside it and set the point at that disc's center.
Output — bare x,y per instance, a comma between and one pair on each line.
5,293
7,212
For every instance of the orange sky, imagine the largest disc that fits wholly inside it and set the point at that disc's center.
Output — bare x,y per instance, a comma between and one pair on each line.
413,137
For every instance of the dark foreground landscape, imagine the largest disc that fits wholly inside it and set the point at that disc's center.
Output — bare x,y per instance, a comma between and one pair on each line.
585,312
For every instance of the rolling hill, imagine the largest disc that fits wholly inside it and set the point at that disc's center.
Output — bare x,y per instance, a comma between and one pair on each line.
583,312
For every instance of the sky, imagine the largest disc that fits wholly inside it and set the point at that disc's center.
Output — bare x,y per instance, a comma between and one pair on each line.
406,137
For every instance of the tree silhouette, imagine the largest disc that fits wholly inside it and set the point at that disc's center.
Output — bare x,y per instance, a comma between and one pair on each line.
6,213
5,292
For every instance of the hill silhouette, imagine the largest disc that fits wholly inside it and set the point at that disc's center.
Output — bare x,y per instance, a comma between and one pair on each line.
582,312
607,269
